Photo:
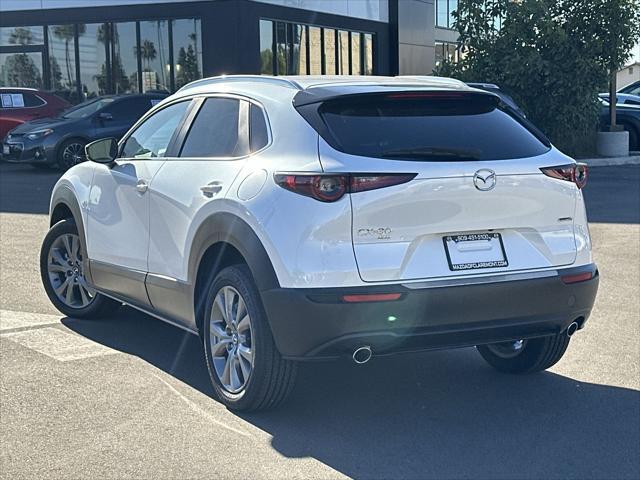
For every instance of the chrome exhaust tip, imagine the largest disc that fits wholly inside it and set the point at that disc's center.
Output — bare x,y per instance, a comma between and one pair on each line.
362,355
572,328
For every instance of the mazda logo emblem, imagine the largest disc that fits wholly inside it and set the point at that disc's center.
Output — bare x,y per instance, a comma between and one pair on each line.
484,179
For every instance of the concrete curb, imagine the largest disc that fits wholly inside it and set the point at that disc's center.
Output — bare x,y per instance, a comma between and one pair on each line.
633,159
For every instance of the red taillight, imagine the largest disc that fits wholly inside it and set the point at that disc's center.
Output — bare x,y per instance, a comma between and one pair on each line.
325,188
578,277
332,187
371,297
362,183
577,173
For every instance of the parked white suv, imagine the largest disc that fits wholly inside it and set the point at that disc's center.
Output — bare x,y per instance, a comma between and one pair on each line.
293,218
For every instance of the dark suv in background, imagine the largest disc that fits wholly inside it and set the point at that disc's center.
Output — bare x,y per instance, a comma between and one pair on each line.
61,140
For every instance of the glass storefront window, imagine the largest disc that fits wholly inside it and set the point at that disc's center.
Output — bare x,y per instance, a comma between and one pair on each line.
124,63
154,52
368,54
21,36
447,52
187,51
21,70
355,54
330,51
266,47
93,44
315,51
62,61
343,51
282,50
298,64
442,14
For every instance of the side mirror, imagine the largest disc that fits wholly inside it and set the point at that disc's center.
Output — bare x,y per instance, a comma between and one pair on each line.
105,116
102,151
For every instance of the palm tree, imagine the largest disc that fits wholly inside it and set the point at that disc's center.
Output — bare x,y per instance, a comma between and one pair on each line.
67,34
147,52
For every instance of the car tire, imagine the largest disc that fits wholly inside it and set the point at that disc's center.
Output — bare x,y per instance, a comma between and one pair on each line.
525,356
70,153
61,258
246,369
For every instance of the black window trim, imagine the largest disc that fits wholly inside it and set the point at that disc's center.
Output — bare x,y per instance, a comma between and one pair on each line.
195,109
152,111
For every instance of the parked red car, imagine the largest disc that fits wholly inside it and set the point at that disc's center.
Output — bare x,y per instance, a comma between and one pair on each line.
19,105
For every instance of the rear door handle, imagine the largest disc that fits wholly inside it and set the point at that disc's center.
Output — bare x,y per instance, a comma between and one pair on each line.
142,186
211,189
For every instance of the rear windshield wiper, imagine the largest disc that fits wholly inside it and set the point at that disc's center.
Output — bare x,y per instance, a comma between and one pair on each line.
435,154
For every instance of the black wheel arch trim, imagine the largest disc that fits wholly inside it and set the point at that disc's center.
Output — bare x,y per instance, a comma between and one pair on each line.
63,195
228,228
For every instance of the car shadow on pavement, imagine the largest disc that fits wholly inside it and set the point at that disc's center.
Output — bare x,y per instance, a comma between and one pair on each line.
440,414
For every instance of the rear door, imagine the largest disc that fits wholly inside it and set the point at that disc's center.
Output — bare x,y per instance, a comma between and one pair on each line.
479,203
192,187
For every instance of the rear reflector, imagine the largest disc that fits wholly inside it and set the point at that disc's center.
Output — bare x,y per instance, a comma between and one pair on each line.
579,277
373,297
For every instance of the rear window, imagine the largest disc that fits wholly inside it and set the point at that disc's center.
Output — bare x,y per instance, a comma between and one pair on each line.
437,126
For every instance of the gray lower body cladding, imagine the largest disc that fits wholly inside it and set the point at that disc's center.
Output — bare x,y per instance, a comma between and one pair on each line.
318,323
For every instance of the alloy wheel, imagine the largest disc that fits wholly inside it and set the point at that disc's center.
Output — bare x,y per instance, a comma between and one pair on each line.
231,339
507,349
64,266
73,154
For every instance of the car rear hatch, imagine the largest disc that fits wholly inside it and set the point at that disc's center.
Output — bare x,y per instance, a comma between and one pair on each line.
477,201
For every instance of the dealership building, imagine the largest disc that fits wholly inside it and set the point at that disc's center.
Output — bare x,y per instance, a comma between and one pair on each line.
84,48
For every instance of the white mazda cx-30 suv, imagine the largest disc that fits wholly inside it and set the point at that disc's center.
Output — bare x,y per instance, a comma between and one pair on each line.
292,218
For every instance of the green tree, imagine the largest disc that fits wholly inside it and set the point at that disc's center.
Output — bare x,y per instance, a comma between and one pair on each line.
21,36
66,33
21,70
187,68
56,74
553,56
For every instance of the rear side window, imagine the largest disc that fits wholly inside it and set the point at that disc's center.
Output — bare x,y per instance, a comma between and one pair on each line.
129,109
20,100
219,130
438,126
152,137
259,136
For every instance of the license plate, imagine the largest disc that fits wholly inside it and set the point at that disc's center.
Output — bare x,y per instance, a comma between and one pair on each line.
475,251
6,150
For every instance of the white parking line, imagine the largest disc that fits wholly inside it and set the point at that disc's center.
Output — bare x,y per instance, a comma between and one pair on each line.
58,344
10,319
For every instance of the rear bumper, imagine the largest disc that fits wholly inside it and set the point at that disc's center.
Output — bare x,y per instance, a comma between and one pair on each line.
316,323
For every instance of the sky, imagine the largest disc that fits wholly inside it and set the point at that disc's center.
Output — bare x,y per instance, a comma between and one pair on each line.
636,53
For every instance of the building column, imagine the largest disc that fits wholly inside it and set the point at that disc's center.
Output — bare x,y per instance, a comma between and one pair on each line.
412,29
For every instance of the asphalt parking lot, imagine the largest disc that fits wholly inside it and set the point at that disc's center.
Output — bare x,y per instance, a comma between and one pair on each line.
129,397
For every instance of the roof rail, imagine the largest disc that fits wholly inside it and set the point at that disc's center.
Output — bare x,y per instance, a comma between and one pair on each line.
243,78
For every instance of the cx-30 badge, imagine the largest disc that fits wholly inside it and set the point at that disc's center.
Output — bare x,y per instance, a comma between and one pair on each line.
484,179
